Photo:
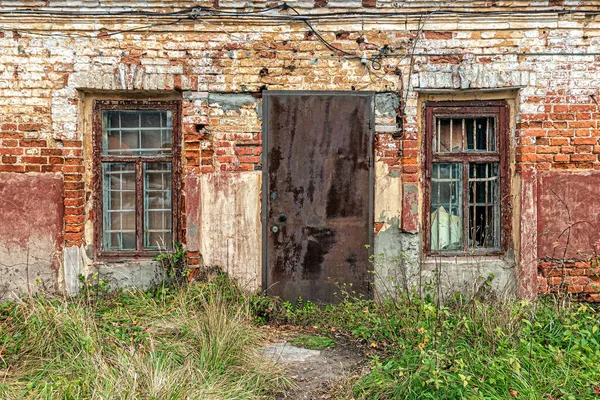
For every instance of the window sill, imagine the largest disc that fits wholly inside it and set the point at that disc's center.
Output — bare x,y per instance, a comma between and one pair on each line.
464,259
125,257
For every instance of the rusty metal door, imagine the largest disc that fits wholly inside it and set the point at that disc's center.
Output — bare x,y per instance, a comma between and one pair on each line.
317,194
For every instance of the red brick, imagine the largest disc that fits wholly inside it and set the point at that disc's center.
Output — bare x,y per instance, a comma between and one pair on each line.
74,219
32,143
225,159
560,108
249,159
73,161
525,157
12,168
410,169
35,160
74,228
547,149
10,143
52,168
567,149
72,143
584,157
11,150
74,211
583,108
30,127
583,149
33,168
245,167
586,140
243,150
582,124
562,117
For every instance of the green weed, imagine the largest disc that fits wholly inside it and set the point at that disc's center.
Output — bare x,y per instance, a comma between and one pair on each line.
313,342
470,349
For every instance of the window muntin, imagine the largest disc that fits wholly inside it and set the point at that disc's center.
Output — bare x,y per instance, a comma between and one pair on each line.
118,194
484,205
157,205
141,132
446,204
136,158
464,186
464,135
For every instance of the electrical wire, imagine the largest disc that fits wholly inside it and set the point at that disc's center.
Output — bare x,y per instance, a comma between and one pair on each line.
406,12
412,59
375,61
200,13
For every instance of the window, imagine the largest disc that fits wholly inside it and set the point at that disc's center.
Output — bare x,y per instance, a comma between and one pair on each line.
136,158
467,202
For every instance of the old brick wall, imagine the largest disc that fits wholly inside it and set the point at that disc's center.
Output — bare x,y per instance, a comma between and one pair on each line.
218,65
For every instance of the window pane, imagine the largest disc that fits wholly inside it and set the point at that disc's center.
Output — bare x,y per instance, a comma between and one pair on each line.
157,206
446,207
484,205
449,135
481,134
118,181
134,133
464,134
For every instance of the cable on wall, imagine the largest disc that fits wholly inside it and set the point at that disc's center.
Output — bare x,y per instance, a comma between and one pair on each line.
200,13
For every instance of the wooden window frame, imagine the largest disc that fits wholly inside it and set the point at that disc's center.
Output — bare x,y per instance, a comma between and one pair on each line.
466,109
98,159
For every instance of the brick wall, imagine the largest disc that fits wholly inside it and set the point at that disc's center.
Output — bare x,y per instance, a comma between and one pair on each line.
43,80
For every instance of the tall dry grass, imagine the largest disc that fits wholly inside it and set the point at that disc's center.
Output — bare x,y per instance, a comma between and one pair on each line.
191,343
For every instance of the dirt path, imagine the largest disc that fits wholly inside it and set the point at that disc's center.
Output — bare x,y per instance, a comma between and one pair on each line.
317,374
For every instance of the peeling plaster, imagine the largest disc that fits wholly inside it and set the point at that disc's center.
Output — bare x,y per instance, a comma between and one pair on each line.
232,102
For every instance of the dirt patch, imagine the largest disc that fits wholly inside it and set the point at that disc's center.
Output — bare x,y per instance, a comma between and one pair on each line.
317,374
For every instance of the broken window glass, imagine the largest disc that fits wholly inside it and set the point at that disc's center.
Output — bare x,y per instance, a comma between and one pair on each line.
454,135
464,188
484,205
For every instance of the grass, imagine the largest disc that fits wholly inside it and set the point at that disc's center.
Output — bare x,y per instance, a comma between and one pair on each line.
201,341
195,343
468,349
313,342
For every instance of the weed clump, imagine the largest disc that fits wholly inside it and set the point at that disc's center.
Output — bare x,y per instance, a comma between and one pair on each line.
466,349
194,342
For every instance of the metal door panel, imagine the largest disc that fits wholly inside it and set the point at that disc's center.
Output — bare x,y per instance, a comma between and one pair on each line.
317,194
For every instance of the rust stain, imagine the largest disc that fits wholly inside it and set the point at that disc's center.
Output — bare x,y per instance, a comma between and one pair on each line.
318,205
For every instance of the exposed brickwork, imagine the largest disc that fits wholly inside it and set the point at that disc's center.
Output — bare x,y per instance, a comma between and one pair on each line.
42,78
580,279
